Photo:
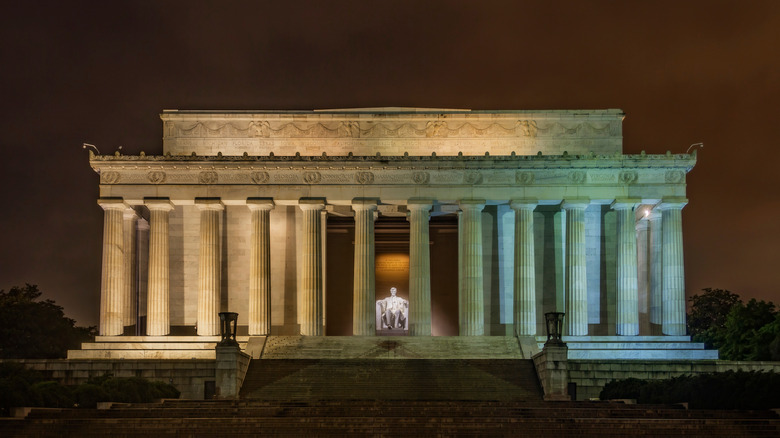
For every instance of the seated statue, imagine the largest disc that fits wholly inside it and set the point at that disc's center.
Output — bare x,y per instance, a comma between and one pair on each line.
392,312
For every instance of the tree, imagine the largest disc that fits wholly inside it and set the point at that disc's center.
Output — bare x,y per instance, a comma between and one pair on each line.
709,311
749,331
31,328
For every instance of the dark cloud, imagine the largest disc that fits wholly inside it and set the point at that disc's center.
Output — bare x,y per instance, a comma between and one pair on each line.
101,72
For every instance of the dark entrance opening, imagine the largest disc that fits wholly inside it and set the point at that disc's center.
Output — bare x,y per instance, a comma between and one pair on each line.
392,269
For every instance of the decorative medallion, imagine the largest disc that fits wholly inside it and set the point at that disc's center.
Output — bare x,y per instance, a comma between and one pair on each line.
311,177
524,178
627,176
674,176
207,177
436,129
259,177
577,176
364,177
156,177
110,177
472,177
421,177
259,129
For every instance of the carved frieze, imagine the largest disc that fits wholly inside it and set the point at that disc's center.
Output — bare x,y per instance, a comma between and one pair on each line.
312,177
156,177
421,177
364,177
577,176
674,176
207,177
259,177
109,177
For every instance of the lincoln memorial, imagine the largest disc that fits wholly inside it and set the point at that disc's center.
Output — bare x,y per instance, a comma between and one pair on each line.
483,221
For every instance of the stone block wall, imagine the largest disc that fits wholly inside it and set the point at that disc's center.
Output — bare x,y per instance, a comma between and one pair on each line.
188,376
591,376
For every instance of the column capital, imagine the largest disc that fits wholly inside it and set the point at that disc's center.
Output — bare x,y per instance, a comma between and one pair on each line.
523,204
471,204
260,203
364,203
214,204
624,203
672,203
575,203
112,203
163,204
311,203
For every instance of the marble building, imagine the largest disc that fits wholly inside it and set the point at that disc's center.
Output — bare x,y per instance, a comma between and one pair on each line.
484,220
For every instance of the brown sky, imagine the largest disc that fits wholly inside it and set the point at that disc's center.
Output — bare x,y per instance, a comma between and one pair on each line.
100,72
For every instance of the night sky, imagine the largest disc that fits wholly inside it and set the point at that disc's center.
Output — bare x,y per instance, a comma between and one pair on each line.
101,72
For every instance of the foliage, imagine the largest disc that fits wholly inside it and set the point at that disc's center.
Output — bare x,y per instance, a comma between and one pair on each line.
739,331
22,387
708,314
727,390
36,329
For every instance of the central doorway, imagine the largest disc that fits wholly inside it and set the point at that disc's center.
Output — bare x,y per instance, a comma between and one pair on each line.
391,237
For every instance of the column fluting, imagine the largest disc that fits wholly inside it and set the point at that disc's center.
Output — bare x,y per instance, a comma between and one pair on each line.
311,318
576,277
627,286
524,267
113,275
209,266
419,267
472,309
157,302
260,266
364,282
130,282
673,322
656,268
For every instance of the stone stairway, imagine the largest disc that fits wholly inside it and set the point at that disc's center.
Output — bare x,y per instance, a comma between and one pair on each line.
239,418
377,379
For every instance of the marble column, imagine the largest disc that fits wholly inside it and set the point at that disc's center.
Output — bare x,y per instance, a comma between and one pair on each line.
209,266
673,320
525,269
364,284
260,266
656,276
130,283
157,302
472,309
627,286
576,279
113,273
311,318
419,267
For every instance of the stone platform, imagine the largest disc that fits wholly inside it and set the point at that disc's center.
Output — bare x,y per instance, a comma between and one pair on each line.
151,347
634,348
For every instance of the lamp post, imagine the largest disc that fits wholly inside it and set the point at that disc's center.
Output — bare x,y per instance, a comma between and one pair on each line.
554,324
226,329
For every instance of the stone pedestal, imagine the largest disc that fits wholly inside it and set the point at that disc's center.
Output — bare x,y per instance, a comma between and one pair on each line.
364,284
673,269
576,278
627,288
157,303
113,276
553,371
472,312
260,266
419,267
209,266
525,271
311,318
231,369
